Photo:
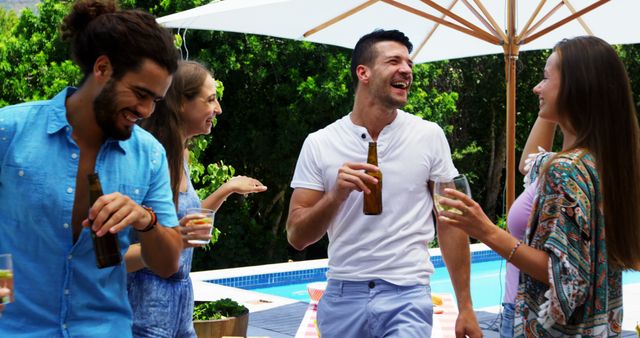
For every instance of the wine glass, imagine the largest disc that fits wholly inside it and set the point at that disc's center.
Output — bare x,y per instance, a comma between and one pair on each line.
459,183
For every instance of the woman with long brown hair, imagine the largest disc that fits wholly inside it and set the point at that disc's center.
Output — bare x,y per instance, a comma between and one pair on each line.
163,307
584,226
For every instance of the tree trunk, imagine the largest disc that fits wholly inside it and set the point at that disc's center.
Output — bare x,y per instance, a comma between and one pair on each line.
278,201
496,167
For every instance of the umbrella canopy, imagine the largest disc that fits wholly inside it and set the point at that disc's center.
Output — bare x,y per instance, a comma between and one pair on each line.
439,29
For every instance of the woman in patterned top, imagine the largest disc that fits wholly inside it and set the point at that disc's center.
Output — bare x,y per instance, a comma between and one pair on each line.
571,272
163,307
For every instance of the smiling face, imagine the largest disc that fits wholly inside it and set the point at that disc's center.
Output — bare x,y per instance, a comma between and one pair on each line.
548,89
391,74
121,103
198,113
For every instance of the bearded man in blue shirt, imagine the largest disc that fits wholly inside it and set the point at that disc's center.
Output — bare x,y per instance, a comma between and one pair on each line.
48,148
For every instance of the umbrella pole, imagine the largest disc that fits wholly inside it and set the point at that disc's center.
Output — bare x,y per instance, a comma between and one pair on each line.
510,70
511,50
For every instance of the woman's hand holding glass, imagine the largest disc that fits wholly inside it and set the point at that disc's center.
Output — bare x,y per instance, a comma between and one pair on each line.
196,232
459,183
6,280
462,212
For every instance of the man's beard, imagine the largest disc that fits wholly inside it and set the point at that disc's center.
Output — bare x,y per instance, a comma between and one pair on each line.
106,113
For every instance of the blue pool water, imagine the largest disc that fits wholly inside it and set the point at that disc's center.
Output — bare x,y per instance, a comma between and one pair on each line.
487,284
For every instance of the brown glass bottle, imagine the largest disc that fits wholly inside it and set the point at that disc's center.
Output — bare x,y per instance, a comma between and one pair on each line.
373,201
106,247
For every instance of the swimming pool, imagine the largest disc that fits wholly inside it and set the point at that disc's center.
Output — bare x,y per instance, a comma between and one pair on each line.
487,284
290,280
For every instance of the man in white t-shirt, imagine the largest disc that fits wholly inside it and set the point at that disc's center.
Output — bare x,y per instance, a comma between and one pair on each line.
379,266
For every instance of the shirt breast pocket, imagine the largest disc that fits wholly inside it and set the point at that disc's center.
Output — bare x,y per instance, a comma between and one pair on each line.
135,192
23,187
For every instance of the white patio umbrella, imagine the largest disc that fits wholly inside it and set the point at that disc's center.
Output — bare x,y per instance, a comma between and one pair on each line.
439,29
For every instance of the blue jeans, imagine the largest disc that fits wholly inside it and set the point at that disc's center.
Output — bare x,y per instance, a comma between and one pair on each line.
508,315
374,309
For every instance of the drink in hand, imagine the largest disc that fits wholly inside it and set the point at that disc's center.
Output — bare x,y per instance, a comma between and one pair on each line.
6,282
373,201
106,247
459,183
205,220
6,278
440,207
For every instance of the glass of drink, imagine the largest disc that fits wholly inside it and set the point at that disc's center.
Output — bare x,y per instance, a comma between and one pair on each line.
203,224
6,278
459,183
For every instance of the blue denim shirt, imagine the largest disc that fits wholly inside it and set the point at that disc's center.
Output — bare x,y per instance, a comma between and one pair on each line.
59,291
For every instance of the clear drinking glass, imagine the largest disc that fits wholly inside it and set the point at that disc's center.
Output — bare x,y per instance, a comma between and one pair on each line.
206,218
459,183
6,278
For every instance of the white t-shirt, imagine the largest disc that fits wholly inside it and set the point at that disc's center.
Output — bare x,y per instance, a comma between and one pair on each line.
393,245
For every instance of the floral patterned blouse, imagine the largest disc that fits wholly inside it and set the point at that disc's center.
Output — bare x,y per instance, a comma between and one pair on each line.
584,298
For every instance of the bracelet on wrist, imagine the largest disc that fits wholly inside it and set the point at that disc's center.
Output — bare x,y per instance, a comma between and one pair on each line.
515,248
152,222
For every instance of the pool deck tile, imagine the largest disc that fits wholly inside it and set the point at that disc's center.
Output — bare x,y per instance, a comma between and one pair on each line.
284,319
254,301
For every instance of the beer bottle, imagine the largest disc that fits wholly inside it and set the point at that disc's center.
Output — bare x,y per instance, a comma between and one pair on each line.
106,247
373,201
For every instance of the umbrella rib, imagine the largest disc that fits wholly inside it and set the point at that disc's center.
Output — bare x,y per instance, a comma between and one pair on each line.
338,18
482,35
496,28
580,20
492,27
525,29
526,33
433,29
565,20
456,17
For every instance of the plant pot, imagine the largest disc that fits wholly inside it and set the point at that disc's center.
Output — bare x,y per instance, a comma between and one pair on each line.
232,326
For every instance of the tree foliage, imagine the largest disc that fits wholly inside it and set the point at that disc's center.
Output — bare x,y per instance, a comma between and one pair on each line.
34,63
277,92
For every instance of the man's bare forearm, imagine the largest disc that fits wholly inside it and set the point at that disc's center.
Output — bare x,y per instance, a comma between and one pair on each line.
161,249
307,224
454,245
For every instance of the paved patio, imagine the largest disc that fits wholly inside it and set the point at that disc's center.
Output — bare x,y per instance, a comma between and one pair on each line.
283,322
278,317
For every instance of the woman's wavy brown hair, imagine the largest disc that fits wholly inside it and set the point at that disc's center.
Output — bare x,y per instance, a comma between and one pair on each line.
166,121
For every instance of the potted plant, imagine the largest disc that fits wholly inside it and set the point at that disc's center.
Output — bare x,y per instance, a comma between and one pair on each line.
224,317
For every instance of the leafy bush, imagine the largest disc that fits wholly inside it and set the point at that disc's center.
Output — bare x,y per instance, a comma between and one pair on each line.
219,309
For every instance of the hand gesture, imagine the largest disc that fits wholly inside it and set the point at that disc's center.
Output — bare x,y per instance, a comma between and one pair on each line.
114,212
352,176
245,185
193,231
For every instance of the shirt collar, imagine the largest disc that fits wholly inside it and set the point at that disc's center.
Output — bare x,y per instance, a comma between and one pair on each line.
58,118
58,111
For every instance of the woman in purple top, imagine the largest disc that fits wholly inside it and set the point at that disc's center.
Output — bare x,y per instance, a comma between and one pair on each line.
517,224
540,138
163,307
583,228
520,212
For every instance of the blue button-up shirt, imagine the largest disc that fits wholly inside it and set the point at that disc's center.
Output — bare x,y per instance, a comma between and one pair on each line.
59,291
